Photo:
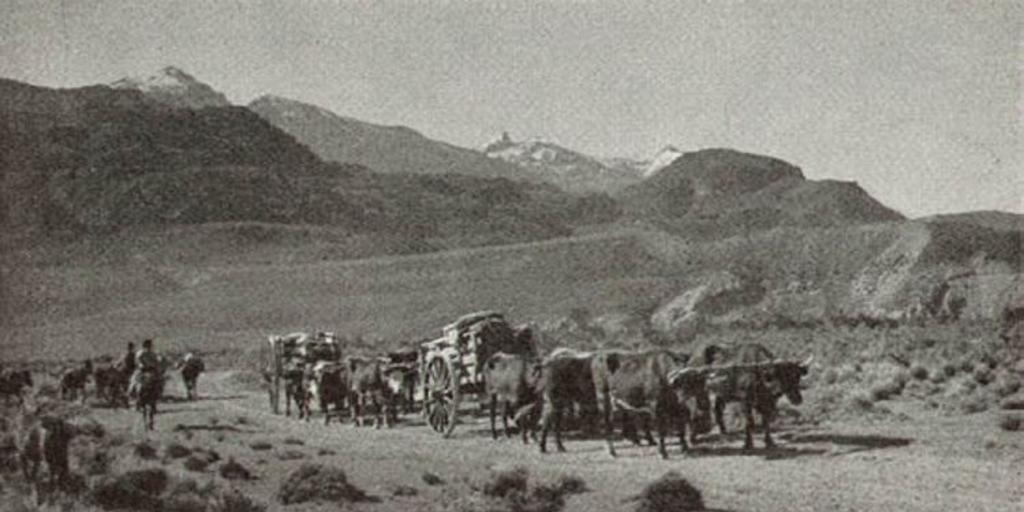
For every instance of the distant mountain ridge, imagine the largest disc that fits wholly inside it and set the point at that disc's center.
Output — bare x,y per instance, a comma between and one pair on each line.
175,88
385,149
95,160
136,176
571,170
722,192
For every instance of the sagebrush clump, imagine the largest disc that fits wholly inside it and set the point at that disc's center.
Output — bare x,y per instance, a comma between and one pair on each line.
176,451
232,470
139,489
319,483
509,490
670,493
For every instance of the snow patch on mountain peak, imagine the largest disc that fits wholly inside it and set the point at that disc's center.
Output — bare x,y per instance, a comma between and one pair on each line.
174,87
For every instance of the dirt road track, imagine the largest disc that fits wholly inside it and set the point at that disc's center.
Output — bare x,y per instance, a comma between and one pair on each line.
928,463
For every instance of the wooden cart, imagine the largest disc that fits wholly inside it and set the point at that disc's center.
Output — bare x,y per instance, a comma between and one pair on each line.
450,365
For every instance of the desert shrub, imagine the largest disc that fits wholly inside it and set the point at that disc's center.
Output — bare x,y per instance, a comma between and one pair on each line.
404,490
189,485
966,365
188,496
242,420
234,501
1006,384
139,489
232,470
144,451
886,389
294,441
982,374
1010,423
571,484
1013,403
505,481
861,400
973,404
669,493
949,369
260,445
325,451
938,376
509,491
318,483
919,372
431,478
543,498
290,455
198,464
183,502
176,451
93,461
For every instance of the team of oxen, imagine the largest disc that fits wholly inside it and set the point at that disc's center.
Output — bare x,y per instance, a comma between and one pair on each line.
645,391
363,386
657,388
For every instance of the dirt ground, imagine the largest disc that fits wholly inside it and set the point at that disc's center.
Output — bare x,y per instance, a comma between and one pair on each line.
915,460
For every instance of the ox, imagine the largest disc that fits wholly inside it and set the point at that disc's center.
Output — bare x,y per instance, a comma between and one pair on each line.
639,383
401,374
294,389
565,381
327,385
14,383
510,381
369,388
72,382
191,366
45,440
757,380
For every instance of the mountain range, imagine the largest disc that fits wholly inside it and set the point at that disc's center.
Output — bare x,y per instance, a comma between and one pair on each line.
164,169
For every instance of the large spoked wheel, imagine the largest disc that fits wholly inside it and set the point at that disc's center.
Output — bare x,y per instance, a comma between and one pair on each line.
441,398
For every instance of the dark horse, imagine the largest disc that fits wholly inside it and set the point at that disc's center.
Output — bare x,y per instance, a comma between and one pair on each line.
112,384
191,367
150,389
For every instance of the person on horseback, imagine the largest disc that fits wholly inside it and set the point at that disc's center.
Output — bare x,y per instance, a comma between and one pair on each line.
144,361
127,362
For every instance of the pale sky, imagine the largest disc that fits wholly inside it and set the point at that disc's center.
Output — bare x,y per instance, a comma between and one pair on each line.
918,101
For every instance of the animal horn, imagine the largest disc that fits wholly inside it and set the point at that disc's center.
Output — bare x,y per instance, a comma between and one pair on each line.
807,362
678,374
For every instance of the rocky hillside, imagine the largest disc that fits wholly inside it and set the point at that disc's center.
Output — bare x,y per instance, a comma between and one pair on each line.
721,192
385,149
99,159
175,88
896,271
564,167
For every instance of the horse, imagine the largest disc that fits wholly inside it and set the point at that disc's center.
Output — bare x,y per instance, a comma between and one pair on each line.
72,382
150,390
191,367
112,384
14,382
